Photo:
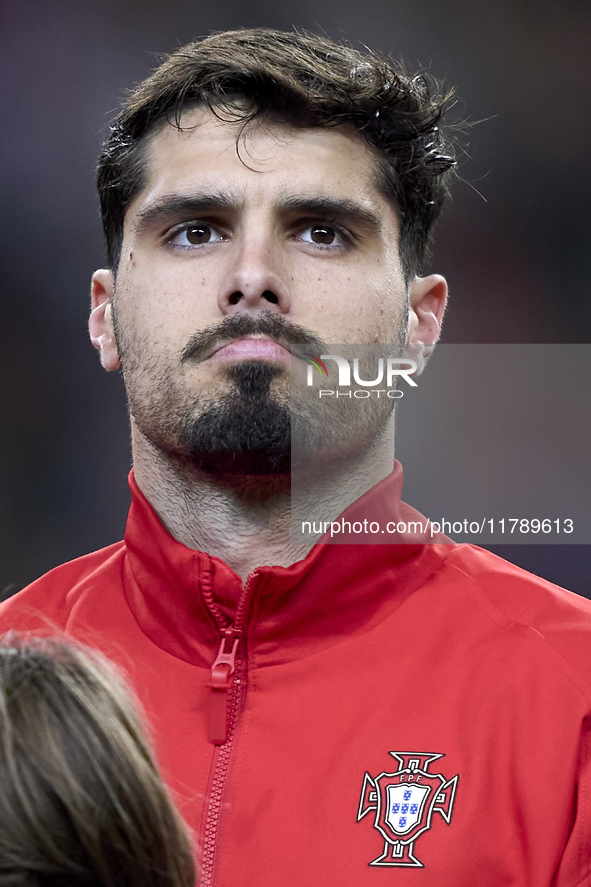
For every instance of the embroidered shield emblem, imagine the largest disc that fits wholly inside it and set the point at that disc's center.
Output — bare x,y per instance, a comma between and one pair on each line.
404,803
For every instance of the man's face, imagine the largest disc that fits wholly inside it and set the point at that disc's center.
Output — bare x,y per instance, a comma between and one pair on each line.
231,258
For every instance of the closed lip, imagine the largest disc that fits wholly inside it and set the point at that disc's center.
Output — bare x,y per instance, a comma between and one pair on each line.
251,349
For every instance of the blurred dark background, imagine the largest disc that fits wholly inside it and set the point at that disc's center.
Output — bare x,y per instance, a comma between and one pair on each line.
514,243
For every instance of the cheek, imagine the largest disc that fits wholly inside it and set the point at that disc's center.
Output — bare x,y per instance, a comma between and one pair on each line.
366,309
160,303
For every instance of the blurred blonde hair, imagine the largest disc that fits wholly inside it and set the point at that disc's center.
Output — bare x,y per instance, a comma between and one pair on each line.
82,802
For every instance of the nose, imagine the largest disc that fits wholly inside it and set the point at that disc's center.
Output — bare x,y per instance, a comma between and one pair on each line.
256,280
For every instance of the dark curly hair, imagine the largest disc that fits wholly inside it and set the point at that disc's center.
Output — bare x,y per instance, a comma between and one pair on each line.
303,80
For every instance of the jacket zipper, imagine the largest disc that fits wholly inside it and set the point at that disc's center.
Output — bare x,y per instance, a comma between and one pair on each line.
221,765
227,686
222,671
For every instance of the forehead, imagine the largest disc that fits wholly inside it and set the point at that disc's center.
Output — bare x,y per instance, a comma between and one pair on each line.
267,160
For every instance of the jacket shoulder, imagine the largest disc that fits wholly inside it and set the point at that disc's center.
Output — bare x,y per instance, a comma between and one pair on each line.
50,599
560,619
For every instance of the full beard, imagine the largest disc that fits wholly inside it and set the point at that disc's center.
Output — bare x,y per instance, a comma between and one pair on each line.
248,423
241,425
246,432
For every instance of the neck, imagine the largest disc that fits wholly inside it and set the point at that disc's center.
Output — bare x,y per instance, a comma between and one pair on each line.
247,522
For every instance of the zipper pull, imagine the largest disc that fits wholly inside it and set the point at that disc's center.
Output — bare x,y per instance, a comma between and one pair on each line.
221,681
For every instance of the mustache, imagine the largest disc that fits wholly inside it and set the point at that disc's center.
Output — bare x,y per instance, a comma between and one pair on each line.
239,326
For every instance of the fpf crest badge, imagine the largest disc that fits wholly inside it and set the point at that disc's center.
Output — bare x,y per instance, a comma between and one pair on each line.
404,803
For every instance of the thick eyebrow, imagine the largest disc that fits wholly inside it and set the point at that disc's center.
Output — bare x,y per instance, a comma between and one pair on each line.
183,206
333,209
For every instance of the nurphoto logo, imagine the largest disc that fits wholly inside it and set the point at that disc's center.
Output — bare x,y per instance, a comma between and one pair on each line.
387,371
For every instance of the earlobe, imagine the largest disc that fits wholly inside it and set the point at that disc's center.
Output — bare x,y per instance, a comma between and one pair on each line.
427,298
100,322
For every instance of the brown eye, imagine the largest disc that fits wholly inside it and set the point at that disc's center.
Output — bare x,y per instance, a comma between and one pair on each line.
198,234
322,234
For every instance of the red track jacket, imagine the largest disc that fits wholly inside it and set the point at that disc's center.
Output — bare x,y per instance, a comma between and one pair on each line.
405,714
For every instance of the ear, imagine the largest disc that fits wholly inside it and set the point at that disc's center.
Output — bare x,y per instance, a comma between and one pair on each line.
427,299
100,322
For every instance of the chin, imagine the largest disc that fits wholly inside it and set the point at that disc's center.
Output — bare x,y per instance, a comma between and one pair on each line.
239,463
247,432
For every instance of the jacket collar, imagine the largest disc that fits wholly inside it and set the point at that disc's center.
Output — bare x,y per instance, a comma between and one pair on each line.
335,590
